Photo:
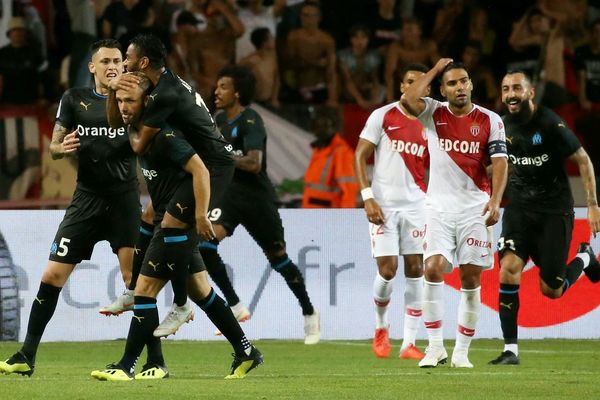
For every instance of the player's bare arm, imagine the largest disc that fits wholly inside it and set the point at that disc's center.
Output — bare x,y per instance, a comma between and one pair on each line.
364,150
251,162
499,177
586,171
411,99
201,187
63,143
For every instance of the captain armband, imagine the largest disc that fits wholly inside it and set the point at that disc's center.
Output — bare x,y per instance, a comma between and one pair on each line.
497,147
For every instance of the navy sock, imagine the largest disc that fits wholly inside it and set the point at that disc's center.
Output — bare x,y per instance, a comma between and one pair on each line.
293,277
217,271
508,311
42,311
143,323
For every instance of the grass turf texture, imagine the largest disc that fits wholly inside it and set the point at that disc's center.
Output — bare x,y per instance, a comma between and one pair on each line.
550,369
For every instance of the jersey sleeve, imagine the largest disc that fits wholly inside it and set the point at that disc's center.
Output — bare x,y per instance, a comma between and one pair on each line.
65,114
567,141
497,139
160,105
174,146
373,129
254,138
430,106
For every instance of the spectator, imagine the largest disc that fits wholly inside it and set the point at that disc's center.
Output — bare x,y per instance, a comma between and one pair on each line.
256,15
330,180
83,34
117,18
385,25
143,21
311,59
264,66
587,60
359,68
485,91
184,60
20,66
481,32
449,27
528,36
411,48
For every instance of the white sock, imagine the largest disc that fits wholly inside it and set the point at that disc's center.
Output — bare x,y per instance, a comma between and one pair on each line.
585,257
413,309
512,347
382,290
433,312
468,314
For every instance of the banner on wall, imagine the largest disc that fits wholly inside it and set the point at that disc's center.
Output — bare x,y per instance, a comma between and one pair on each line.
331,247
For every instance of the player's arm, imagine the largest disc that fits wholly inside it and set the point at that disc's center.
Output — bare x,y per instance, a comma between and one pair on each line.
499,176
411,99
201,187
63,143
249,162
586,171
364,150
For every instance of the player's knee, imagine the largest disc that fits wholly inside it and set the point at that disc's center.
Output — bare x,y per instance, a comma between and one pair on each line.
279,261
56,274
434,270
413,267
551,293
387,266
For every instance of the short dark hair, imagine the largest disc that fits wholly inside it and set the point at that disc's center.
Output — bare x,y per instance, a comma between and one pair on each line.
259,37
186,18
354,29
413,67
451,66
244,82
519,71
151,47
108,43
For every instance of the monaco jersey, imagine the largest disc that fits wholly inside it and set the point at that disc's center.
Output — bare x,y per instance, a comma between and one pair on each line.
401,158
460,149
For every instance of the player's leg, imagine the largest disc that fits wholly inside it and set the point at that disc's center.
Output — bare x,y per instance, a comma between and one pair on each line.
413,306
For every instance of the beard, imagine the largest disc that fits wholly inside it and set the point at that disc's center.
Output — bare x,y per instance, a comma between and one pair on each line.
522,116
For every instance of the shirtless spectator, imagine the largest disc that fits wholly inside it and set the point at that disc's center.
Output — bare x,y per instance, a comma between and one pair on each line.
358,66
411,48
385,25
311,59
117,18
184,59
256,15
485,92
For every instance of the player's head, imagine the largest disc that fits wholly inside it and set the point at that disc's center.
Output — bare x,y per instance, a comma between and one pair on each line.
410,73
145,51
107,61
455,85
131,101
262,38
518,94
235,84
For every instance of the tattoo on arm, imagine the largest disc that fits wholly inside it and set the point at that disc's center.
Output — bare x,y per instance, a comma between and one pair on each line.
58,135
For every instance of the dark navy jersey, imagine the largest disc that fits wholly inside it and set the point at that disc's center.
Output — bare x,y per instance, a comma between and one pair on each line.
537,151
174,103
107,163
247,132
162,166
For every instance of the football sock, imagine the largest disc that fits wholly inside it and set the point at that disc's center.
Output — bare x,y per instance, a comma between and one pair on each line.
139,251
508,310
42,310
155,354
222,317
413,309
468,315
177,247
433,311
293,277
217,271
574,270
143,323
382,291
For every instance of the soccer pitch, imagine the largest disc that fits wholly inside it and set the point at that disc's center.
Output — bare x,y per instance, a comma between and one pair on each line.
550,369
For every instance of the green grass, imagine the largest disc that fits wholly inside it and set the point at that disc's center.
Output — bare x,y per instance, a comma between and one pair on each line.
550,369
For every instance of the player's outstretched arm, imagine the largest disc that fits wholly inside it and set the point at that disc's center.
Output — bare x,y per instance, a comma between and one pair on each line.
364,150
411,99
499,176
63,143
201,186
586,171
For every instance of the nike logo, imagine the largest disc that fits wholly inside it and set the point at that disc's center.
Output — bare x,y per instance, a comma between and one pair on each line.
558,278
154,266
484,255
181,208
393,128
509,305
40,300
170,266
82,104
441,123
138,318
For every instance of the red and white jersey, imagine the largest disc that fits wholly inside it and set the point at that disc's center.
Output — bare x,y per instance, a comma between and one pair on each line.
401,158
460,149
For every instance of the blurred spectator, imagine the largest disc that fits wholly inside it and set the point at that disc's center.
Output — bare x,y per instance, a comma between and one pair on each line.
485,90
20,66
264,66
359,68
143,21
117,18
385,25
411,48
449,27
588,70
481,32
330,180
256,15
184,60
528,36
34,24
83,33
311,59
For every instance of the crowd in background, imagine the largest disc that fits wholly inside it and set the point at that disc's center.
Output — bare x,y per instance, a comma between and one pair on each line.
327,52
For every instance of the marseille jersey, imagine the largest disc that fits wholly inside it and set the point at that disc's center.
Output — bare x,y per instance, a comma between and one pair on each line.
460,149
401,158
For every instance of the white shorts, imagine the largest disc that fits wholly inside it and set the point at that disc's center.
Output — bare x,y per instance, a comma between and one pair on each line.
462,235
402,233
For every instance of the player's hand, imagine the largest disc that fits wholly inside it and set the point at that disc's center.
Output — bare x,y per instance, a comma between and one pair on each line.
204,228
70,143
124,82
594,219
441,64
374,213
492,209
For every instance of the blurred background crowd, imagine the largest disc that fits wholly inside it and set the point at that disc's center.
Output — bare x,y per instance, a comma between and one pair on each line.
339,55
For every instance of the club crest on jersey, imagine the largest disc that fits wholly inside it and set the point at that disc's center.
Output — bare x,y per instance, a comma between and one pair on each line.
475,130
536,139
234,132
